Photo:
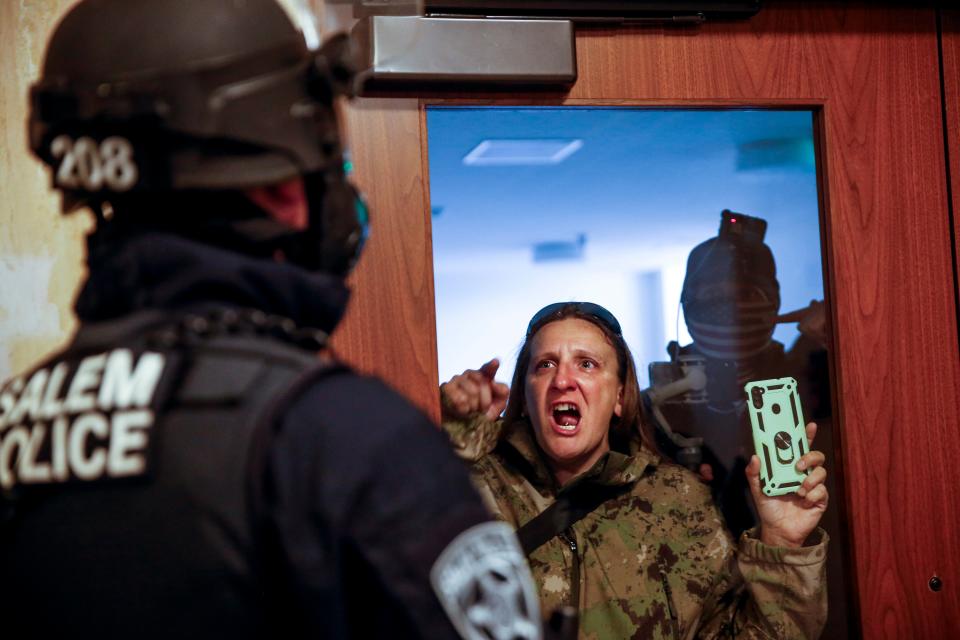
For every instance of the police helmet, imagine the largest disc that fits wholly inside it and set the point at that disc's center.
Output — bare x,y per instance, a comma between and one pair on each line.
146,97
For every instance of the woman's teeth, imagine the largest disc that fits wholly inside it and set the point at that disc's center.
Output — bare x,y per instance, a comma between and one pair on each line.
566,415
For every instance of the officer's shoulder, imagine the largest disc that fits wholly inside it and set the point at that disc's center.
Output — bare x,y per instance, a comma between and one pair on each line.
330,390
264,352
350,387
342,395
347,412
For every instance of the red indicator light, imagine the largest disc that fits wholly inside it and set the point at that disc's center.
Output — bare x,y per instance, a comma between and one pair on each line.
733,220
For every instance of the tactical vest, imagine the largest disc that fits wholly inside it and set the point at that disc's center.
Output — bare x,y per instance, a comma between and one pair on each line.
126,468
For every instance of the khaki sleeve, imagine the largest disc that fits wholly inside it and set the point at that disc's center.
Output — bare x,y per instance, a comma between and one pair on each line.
772,593
788,586
472,438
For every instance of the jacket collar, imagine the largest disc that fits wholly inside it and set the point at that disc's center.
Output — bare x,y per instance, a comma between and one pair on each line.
612,469
162,271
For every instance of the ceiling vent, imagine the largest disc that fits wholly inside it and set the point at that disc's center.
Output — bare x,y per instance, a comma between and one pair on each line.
560,250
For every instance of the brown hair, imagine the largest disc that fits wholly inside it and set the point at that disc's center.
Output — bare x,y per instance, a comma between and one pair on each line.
632,419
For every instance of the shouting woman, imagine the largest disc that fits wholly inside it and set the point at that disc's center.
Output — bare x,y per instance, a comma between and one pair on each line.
633,542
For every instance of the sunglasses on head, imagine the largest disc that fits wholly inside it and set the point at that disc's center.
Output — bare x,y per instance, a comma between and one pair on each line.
584,308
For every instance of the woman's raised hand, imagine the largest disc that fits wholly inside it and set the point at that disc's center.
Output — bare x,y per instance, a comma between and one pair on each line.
786,521
475,391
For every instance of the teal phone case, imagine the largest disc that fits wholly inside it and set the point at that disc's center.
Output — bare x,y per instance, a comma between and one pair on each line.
779,435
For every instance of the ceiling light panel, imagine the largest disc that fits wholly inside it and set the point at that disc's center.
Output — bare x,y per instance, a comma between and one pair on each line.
521,153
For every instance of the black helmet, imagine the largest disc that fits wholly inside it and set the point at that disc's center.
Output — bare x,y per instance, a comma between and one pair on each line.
141,96
733,257
730,293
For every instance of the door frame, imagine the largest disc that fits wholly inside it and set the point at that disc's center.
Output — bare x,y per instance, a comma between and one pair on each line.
873,76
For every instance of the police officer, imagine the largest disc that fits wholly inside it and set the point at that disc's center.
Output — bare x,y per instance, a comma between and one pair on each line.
187,466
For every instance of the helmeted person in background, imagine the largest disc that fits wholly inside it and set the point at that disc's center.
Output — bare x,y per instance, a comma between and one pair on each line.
731,300
634,542
188,467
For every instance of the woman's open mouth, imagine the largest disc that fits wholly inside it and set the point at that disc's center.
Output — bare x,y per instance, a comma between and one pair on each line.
566,418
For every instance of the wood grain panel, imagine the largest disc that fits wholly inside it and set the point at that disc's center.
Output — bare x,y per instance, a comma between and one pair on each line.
390,329
950,48
873,74
950,69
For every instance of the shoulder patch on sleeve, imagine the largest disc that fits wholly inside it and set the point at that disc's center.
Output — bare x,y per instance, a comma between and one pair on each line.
484,585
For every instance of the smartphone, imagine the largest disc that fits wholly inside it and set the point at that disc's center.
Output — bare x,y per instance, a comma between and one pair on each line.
779,434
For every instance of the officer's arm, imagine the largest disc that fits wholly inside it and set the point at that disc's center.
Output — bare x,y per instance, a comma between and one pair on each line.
399,500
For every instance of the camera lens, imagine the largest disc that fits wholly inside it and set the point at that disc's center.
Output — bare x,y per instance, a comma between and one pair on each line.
757,396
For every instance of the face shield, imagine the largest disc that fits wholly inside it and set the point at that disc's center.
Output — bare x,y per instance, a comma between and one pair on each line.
730,320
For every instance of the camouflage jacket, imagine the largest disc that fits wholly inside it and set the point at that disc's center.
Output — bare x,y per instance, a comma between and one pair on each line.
656,561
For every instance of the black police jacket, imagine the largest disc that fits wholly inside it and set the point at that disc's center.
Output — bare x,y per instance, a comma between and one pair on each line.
188,468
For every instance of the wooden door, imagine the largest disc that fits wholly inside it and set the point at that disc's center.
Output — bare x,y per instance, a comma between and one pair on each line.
872,77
